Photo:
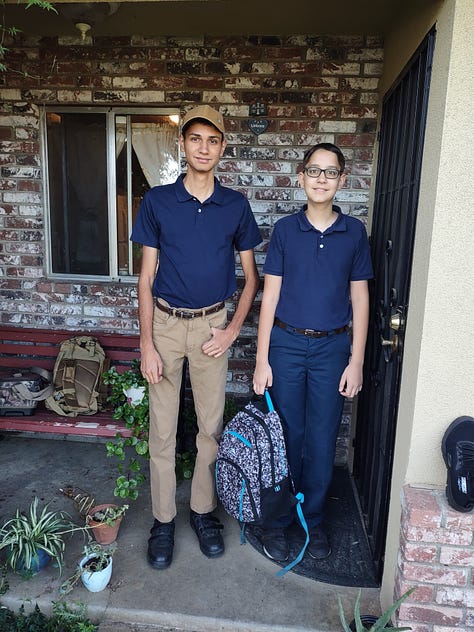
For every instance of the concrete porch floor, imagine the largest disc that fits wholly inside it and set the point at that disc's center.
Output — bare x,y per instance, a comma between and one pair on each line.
237,592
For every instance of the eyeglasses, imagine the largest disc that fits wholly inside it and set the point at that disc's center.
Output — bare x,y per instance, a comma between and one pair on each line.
330,173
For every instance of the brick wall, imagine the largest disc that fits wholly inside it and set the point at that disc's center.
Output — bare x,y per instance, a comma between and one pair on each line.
437,556
317,89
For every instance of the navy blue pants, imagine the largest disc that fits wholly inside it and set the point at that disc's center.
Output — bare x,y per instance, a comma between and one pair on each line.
306,375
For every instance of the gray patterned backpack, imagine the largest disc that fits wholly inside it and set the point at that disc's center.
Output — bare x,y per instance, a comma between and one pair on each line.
252,478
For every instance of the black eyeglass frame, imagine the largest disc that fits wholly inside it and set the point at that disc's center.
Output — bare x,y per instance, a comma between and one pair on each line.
339,172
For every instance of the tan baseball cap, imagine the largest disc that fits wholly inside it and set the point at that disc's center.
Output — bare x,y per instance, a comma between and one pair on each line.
207,113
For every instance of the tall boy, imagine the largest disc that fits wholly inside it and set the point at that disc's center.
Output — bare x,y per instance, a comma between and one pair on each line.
190,231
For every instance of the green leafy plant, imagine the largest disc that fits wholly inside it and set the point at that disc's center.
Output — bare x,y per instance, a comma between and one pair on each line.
129,398
382,623
64,618
8,32
28,533
109,515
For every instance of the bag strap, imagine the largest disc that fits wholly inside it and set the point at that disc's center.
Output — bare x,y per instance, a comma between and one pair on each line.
299,511
268,399
301,518
36,396
69,382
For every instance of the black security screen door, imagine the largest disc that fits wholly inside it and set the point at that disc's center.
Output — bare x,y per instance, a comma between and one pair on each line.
392,238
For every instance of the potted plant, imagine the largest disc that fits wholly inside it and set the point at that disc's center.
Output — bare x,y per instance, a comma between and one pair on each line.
94,569
31,540
362,622
105,520
96,566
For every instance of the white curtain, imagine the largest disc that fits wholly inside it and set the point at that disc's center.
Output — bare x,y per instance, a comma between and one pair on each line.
120,137
155,147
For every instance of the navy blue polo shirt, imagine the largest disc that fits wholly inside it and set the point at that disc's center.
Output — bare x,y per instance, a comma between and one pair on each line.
196,241
317,268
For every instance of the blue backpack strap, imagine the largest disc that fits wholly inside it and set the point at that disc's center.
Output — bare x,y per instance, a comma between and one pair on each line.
301,518
268,399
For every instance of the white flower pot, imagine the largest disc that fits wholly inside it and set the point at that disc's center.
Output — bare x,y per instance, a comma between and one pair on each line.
95,581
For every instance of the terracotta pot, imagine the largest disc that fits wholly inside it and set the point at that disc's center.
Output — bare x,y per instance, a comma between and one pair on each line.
103,533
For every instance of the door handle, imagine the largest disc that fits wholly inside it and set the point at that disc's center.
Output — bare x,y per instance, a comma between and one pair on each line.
393,343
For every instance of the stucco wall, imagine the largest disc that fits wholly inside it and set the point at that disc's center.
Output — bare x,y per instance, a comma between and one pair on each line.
438,362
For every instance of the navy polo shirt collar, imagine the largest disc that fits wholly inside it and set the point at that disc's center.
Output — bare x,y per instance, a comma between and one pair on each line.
339,225
183,195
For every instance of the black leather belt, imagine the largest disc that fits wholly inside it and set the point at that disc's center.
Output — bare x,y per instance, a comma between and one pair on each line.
312,333
189,313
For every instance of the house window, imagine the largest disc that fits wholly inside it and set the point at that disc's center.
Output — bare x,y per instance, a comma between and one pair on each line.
100,163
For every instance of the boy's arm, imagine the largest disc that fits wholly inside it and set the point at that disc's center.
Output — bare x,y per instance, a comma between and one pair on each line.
151,365
352,378
222,339
263,376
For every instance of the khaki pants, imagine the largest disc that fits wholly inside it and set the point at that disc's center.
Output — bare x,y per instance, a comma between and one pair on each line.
176,338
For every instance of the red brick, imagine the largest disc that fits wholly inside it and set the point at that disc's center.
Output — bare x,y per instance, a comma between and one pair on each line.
457,557
417,552
455,596
6,133
356,140
298,126
441,536
421,507
422,594
434,614
428,574
455,519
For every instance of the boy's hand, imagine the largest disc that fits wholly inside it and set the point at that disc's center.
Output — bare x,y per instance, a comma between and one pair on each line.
151,366
262,378
351,380
221,340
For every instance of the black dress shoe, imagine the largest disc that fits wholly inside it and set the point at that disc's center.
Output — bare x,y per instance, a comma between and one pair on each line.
208,530
160,544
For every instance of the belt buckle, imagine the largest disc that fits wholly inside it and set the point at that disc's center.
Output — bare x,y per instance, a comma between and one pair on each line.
181,313
309,332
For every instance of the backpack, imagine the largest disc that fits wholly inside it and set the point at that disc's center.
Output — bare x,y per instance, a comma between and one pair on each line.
252,477
77,377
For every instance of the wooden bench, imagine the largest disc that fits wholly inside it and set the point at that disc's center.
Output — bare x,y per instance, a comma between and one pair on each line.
26,348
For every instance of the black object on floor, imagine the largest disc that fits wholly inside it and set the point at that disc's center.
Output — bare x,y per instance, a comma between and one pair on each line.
350,562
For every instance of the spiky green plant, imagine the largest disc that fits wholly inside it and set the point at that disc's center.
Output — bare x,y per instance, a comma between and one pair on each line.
381,623
27,533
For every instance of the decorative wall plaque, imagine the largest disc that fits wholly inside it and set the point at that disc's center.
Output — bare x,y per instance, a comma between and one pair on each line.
258,108
258,126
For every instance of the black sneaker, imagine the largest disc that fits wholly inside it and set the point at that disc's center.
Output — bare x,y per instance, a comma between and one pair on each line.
160,544
275,544
208,530
457,448
318,547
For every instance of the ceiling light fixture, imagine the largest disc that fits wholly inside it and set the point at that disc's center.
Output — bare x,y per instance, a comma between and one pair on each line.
86,15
